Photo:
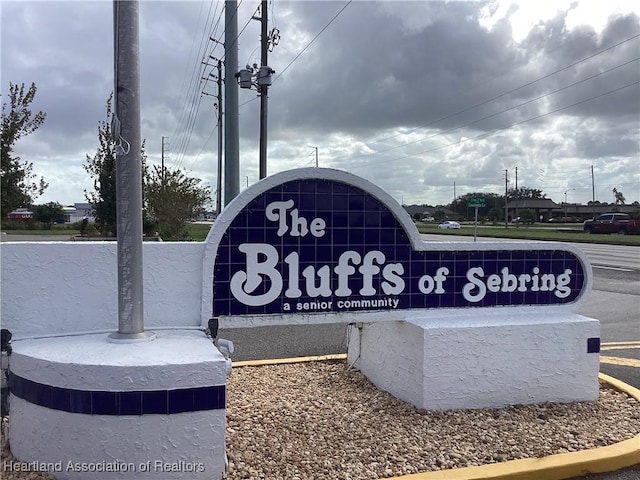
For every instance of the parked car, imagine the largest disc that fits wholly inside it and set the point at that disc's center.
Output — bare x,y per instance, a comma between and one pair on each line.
448,224
612,223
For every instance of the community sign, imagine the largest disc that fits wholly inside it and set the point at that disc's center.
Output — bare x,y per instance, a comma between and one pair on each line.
315,240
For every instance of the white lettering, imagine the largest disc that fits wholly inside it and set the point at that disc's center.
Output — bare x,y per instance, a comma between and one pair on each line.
277,212
244,283
368,270
476,289
324,290
468,290
344,270
427,283
299,226
562,288
393,284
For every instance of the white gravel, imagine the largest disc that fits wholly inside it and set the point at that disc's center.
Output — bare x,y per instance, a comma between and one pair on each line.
320,420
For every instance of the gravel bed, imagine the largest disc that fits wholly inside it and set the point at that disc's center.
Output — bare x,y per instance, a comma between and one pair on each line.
321,420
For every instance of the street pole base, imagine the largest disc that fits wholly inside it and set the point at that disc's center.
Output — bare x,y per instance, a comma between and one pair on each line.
118,337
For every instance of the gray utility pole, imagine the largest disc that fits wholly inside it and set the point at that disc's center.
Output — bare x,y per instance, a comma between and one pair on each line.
593,193
126,136
506,192
162,162
264,48
232,131
517,199
219,182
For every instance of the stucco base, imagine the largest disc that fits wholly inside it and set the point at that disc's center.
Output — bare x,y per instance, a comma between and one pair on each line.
187,445
491,361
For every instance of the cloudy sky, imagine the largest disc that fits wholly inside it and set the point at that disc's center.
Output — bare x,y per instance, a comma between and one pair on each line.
414,96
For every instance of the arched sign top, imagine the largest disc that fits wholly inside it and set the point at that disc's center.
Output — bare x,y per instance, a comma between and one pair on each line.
323,241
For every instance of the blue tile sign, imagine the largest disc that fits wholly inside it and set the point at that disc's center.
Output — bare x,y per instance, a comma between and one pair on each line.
321,241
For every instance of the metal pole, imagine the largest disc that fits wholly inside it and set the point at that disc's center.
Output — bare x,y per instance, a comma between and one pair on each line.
517,199
475,226
232,131
128,174
593,193
264,45
506,192
219,183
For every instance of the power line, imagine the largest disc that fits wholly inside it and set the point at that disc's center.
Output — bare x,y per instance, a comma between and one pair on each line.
311,42
193,112
498,96
188,113
443,132
485,134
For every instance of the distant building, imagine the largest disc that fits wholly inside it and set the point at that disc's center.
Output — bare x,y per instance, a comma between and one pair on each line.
543,208
77,212
20,214
429,211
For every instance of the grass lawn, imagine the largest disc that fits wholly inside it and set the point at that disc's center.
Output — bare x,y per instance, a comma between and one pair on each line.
564,233
198,233
53,231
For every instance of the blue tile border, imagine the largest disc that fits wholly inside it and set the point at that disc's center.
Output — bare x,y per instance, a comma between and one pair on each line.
354,220
138,402
593,345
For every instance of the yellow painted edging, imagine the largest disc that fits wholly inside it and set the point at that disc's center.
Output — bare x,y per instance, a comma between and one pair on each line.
278,361
553,467
625,362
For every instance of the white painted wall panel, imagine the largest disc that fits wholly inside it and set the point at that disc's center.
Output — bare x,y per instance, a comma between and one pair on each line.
65,287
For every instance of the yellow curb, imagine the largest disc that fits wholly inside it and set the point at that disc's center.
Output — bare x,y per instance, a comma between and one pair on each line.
278,361
614,344
553,467
625,362
620,346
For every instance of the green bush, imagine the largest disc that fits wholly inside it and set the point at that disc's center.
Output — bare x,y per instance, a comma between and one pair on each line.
24,225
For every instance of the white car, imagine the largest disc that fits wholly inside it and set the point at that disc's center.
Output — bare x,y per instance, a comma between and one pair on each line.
448,224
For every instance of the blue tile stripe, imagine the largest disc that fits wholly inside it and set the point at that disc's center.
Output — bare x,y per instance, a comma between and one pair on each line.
92,402
593,345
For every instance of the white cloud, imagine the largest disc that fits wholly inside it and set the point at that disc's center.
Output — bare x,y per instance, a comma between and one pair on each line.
413,96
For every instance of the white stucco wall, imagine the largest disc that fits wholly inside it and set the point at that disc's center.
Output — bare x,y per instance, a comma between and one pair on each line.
69,287
492,358
193,441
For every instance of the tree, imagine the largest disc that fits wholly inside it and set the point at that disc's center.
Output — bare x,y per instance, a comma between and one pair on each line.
172,199
48,213
619,197
102,168
525,192
19,185
527,216
495,215
439,216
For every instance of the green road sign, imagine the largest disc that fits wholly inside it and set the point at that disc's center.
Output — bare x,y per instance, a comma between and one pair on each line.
476,203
